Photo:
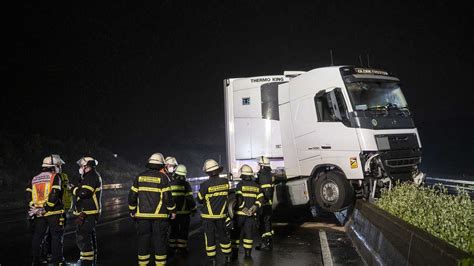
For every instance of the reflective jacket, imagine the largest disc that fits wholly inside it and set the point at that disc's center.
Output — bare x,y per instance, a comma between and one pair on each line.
150,196
182,196
265,179
213,194
248,194
87,194
67,195
44,190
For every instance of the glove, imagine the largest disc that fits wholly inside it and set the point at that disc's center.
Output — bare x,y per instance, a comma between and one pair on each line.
80,219
247,211
32,211
38,212
253,210
132,215
70,187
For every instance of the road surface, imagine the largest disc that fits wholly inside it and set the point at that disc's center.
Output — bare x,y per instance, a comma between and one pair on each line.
298,240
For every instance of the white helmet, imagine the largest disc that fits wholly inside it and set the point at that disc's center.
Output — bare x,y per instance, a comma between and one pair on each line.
246,170
87,161
57,159
181,170
171,161
210,165
264,161
156,158
48,161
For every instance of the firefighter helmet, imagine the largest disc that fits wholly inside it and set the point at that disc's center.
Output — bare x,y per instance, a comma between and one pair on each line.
181,170
246,170
210,165
57,160
48,161
87,161
264,161
171,161
156,158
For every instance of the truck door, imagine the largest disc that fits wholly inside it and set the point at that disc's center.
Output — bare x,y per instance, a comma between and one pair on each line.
337,139
305,133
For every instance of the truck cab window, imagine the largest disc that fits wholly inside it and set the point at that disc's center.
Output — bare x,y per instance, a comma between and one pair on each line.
330,106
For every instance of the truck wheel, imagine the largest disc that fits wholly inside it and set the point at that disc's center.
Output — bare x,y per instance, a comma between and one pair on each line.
231,202
333,191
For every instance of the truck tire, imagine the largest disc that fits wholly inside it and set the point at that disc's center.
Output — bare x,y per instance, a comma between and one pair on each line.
333,191
231,202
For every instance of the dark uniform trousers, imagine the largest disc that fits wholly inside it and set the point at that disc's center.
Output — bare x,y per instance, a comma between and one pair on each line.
179,231
211,228
86,240
55,224
244,230
156,229
265,217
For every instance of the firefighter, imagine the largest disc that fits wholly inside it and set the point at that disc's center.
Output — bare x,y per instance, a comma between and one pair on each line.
66,200
44,195
183,197
150,205
170,167
266,180
249,198
213,194
87,208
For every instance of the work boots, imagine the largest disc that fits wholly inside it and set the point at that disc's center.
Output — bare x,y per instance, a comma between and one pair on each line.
266,244
269,243
248,253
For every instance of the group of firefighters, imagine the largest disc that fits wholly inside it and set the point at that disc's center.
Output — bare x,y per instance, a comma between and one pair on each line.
161,203
50,195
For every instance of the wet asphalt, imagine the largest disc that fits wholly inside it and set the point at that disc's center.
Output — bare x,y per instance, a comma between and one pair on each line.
296,240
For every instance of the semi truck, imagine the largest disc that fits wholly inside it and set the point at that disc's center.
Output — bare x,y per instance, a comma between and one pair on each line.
333,134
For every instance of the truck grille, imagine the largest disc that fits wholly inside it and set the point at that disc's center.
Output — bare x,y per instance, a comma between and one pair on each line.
396,142
405,162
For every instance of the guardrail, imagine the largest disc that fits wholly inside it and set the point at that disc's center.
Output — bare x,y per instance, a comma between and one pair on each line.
465,184
383,239
113,186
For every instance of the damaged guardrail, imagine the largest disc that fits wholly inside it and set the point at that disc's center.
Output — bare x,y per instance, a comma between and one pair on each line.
383,239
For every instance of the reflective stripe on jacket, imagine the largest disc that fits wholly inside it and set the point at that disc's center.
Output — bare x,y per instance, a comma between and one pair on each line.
213,194
266,179
183,196
150,196
248,193
88,194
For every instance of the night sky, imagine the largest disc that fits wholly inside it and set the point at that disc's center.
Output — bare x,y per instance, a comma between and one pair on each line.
146,78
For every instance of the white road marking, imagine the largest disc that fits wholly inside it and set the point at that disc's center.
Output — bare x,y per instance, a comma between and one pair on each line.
327,257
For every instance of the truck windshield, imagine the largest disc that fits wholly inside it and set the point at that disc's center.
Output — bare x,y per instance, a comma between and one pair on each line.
373,95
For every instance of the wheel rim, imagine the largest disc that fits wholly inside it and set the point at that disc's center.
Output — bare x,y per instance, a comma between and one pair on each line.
330,192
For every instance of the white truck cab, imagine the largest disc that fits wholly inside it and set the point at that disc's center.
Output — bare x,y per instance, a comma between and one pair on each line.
336,133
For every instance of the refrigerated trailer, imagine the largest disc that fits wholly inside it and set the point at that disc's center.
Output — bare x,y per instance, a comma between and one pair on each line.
334,133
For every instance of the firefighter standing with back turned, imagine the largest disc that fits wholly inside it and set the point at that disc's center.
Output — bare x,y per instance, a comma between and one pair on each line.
213,194
249,198
150,204
87,199
67,204
46,209
265,179
183,197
